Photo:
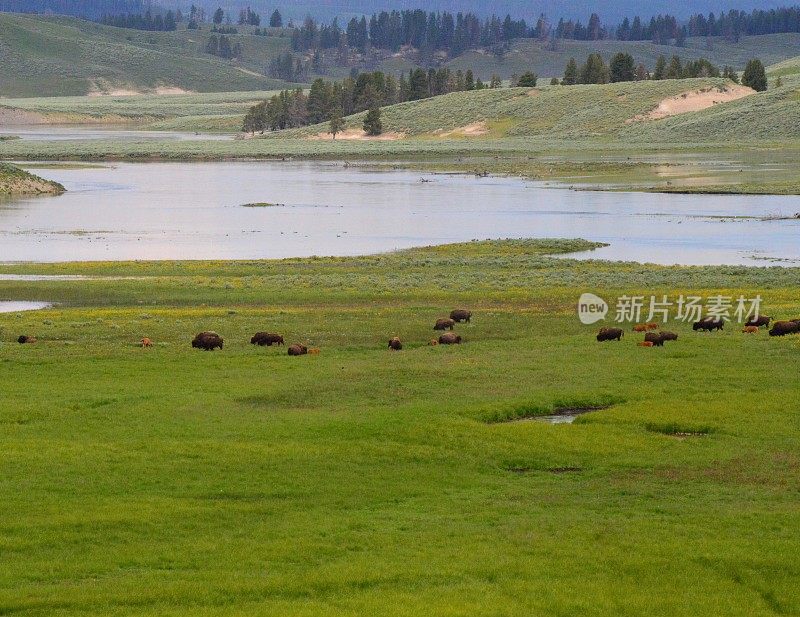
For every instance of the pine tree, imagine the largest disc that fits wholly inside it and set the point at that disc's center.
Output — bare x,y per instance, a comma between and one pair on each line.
660,71
622,68
337,123
219,15
527,80
675,68
372,122
594,71
755,76
276,21
570,73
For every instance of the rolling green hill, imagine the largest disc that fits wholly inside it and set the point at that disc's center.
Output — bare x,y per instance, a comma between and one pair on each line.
62,56
558,112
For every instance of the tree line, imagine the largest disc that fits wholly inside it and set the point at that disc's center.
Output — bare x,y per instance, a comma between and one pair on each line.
364,91
623,67
142,21
88,9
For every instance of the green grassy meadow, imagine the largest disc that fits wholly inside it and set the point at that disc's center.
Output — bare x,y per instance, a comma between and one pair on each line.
170,481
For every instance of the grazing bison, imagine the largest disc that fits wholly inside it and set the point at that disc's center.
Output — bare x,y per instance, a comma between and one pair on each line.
651,326
640,327
450,339
610,334
314,351
207,341
709,324
265,338
750,329
433,342
444,324
395,344
782,328
645,344
460,315
22,340
655,338
297,350
146,342
759,321
669,336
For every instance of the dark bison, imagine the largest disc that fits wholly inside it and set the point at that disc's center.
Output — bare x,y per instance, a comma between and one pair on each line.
297,350
395,344
761,320
782,328
26,339
444,324
460,315
709,324
610,334
207,341
450,339
265,338
658,338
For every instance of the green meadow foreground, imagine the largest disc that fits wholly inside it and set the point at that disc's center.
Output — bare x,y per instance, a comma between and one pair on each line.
171,481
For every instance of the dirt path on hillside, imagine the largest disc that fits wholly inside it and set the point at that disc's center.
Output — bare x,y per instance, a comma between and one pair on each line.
695,100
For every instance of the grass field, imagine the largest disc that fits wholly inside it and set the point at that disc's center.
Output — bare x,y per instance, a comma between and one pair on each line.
62,56
16,181
169,481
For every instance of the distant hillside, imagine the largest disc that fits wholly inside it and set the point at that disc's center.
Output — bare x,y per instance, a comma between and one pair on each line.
563,112
61,56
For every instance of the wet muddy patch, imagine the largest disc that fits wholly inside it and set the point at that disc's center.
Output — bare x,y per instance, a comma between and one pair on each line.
562,412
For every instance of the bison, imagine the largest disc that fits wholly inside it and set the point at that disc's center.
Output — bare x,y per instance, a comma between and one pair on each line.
314,351
207,341
759,321
22,340
782,328
444,324
395,344
297,350
645,344
669,336
750,329
651,326
655,338
265,338
433,342
450,339
610,334
709,324
640,327
460,315
146,342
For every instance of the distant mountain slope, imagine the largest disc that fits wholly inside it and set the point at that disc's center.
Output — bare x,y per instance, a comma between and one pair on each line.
61,56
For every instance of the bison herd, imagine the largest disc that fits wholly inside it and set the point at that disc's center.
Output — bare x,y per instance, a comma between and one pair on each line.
209,341
655,338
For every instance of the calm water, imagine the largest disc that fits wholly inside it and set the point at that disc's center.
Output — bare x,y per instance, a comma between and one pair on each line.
194,211
18,306
71,133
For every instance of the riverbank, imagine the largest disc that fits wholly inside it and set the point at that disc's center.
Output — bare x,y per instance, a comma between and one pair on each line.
15,181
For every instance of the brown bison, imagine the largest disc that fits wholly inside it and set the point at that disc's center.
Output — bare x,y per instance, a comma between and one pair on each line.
655,338
314,351
709,324
750,329
265,338
782,328
651,326
640,327
460,315
610,334
433,342
395,344
444,324
30,340
146,342
761,320
207,341
450,339
669,336
297,350
645,344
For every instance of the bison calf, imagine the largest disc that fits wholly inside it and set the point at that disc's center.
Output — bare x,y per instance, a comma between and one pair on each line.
645,344
395,344
30,340
460,315
450,339
750,329
146,342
